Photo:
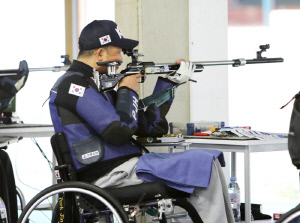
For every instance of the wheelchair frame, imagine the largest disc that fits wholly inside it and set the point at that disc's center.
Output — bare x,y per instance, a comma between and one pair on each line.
125,212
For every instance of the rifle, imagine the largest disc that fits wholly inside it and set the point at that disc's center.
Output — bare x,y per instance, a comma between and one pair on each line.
110,80
66,62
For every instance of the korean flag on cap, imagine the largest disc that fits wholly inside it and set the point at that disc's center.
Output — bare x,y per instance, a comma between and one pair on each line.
76,90
105,39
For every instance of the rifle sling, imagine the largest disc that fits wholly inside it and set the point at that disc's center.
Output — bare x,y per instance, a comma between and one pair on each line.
158,98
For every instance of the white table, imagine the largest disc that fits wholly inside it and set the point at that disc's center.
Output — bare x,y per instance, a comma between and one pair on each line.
6,140
27,130
247,147
171,145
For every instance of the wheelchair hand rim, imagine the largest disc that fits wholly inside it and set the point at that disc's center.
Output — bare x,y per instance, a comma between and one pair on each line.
71,189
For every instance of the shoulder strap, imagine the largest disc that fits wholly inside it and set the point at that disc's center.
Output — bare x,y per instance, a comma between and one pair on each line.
296,96
158,98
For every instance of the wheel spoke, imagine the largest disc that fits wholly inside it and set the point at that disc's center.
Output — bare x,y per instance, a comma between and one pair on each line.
92,201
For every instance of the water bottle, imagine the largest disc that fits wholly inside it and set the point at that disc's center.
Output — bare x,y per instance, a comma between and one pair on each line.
234,194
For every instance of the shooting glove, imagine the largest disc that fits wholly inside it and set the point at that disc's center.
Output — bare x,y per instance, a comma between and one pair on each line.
183,74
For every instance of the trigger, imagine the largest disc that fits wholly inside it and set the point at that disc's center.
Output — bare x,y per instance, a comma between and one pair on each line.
142,80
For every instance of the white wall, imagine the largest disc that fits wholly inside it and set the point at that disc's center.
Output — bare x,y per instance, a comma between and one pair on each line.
208,21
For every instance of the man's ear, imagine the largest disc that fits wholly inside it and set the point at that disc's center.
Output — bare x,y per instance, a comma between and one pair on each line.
100,54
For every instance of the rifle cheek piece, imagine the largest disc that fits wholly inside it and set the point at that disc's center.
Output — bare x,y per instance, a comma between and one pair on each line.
111,66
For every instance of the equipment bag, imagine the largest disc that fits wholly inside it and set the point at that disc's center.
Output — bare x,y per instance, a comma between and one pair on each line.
8,191
294,131
11,84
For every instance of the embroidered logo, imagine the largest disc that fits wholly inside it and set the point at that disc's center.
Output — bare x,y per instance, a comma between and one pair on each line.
105,39
76,90
135,105
90,155
119,32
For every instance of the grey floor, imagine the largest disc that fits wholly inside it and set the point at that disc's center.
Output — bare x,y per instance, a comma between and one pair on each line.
257,221
264,221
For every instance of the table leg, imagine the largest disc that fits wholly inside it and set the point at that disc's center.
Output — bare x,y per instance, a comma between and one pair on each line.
233,164
247,185
185,147
171,149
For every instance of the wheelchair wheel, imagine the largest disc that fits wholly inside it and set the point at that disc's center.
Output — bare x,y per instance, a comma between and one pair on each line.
21,197
292,216
71,202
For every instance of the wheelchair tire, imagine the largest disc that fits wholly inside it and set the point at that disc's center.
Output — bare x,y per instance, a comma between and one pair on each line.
21,197
96,194
292,216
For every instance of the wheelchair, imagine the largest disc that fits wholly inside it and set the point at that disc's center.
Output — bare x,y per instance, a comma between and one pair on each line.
292,216
73,201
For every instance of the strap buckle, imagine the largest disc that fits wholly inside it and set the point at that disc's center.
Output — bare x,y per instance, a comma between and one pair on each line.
173,91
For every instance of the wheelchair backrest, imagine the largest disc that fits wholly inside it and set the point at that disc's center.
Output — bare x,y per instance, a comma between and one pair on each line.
61,151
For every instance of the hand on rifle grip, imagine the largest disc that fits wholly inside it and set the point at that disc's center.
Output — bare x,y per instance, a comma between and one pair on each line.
184,73
131,81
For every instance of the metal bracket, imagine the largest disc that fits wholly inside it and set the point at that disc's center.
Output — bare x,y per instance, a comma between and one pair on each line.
239,62
173,91
85,205
137,206
263,48
164,206
242,61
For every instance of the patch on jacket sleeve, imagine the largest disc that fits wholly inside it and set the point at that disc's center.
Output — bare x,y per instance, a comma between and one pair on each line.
76,90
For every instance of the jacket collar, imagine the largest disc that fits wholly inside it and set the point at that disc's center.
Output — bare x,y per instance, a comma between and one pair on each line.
79,66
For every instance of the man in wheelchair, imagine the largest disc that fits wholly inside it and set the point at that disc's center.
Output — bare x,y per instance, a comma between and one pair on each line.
99,125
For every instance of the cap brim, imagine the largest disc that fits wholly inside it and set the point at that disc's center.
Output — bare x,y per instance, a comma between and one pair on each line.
126,44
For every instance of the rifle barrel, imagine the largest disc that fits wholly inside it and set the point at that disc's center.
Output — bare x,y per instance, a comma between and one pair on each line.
235,63
265,60
240,62
9,72
214,63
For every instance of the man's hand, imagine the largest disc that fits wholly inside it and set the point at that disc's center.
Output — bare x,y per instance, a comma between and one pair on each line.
131,82
184,73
